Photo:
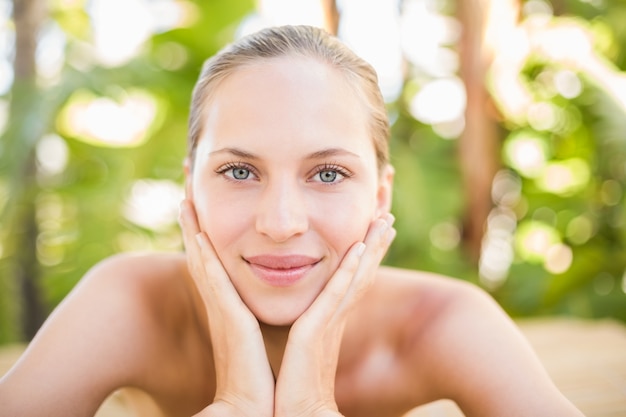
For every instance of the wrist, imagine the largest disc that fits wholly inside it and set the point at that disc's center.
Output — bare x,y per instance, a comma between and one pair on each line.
328,413
223,409
309,412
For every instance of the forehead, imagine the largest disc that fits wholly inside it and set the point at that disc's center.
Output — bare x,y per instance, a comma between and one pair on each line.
298,74
290,97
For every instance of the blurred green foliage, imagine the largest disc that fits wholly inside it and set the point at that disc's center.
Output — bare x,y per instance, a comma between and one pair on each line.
589,218
80,210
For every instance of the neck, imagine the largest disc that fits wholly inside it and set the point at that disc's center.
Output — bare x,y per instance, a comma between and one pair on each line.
275,338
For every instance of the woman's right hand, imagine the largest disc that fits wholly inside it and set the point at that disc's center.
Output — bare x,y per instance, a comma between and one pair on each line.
244,380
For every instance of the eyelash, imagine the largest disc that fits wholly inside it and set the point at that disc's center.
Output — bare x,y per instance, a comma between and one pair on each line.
332,167
235,165
229,166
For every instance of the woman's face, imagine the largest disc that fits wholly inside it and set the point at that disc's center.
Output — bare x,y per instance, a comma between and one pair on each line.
285,181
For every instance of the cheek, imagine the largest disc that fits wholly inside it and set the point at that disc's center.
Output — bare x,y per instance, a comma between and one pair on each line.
223,221
344,221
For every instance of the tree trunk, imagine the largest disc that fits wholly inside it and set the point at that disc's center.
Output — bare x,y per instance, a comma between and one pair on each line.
28,16
331,16
484,22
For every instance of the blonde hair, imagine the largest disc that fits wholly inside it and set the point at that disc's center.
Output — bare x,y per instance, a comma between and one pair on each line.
303,41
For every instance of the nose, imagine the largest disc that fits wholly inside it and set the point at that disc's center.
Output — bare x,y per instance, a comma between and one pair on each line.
281,213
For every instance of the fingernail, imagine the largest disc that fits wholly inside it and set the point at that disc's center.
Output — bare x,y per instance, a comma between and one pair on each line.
200,240
360,249
384,227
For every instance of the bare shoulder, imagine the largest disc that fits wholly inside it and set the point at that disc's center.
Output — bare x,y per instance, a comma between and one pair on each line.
145,290
462,345
145,279
100,338
143,298
420,301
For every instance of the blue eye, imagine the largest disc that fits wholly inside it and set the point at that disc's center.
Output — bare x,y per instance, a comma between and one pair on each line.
328,175
240,173
237,171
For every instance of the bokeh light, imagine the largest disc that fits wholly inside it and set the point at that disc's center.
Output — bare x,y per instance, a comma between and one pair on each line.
497,252
52,154
104,121
56,230
527,153
506,189
51,54
7,40
568,84
445,236
282,12
558,259
611,192
565,177
579,230
380,47
439,101
153,204
551,80
533,240
427,37
604,283
171,56
118,37
543,116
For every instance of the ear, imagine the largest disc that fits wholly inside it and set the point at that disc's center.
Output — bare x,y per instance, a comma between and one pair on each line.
188,178
385,189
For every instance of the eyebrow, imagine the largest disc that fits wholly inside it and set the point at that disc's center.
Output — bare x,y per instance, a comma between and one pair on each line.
235,151
324,153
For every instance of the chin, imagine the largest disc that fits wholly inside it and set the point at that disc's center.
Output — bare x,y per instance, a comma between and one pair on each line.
276,323
278,314
282,307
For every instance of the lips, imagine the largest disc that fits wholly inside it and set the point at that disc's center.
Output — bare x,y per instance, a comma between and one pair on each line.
281,271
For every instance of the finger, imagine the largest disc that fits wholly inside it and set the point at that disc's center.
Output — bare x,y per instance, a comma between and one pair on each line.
187,218
336,288
200,251
208,272
354,274
211,264
327,302
343,277
345,281
196,240
389,219
189,226
377,242
220,286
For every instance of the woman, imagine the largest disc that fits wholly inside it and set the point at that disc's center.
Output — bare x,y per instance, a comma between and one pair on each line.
279,306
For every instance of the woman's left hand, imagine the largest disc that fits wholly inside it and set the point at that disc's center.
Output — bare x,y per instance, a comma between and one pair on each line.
306,383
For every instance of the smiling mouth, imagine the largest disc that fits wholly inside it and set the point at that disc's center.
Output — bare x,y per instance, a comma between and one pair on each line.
281,271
